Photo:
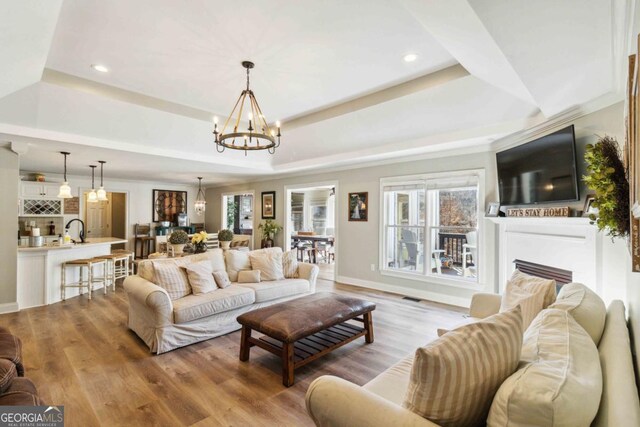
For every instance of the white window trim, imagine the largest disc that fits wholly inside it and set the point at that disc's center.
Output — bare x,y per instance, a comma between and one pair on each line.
430,278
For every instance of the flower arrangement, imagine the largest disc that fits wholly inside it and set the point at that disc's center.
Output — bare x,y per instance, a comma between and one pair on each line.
178,237
199,237
608,177
269,228
225,235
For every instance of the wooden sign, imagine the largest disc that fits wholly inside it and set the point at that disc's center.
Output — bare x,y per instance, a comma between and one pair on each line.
562,211
72,206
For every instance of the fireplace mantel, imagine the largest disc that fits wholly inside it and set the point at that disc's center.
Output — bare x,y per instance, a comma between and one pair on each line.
566,243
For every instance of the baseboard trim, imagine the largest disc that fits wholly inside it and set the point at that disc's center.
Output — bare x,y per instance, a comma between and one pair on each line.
401,290
9,307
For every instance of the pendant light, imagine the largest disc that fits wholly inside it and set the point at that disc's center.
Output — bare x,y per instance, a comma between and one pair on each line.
201,203
65,190
92,197
102,194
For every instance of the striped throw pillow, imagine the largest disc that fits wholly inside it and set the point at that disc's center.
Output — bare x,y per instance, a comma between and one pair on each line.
454,378
531,293
290,265
172,279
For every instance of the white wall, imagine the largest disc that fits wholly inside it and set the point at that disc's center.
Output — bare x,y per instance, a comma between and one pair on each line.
8,229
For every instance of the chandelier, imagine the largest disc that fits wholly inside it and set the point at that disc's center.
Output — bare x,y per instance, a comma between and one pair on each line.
201,204
260,137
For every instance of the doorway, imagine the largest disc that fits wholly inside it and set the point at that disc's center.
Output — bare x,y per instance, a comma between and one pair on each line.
311,227
107,218
237,215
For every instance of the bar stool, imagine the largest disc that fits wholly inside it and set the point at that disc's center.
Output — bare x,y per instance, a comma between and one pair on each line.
131,258
117,267
81,264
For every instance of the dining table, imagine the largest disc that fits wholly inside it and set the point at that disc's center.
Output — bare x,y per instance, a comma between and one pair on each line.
314,239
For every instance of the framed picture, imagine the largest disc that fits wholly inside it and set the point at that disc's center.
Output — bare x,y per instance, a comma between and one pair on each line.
268,205
588,206
358,206
493,209
167,203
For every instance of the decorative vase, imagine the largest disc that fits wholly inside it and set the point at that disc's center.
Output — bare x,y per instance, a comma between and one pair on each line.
200,248
225,244
178,249
266,243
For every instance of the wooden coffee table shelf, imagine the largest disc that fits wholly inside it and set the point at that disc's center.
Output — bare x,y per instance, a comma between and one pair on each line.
306,344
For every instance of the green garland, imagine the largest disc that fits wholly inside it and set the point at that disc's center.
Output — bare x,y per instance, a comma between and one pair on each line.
607,176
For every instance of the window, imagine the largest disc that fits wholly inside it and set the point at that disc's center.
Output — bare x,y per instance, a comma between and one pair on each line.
430,226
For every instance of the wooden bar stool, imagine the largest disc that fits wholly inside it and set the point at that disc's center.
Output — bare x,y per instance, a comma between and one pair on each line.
117,267
82,264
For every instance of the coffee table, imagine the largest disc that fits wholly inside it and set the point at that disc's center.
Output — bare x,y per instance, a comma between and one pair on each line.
304,329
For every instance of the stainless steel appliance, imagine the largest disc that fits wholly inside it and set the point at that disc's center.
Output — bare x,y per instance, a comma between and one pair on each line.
36,241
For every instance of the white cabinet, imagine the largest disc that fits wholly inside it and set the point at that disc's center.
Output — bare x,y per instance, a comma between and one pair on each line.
39,189
40,198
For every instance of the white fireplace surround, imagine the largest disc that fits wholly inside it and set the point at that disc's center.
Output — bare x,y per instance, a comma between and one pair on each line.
567,243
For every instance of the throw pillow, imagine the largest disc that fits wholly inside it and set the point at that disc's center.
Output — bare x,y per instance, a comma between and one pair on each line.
559,382
586,307
290,265
222,279
269,264
200,277
527,281
172,279
453,379
7,374
236,261
249,276
531,293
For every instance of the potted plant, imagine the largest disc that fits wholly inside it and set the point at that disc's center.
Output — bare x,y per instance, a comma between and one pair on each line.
225,237
178,239
269,230
607,176
199,242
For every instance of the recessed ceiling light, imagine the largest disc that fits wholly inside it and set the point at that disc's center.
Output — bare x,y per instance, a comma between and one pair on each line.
100,68
410,57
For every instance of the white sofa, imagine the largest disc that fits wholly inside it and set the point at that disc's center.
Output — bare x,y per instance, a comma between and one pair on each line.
165,324
332,401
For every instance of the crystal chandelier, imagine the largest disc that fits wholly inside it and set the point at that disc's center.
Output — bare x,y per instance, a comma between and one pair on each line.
201,203
260,137
65,190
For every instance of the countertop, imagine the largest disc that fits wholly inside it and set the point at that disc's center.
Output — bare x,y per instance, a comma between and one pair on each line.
94,241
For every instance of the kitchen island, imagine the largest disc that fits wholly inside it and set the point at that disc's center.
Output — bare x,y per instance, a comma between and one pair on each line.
39,269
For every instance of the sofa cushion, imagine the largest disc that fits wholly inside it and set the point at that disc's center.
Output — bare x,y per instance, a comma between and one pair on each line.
454,378
392,384
7,374
193,307
200,277
559,375
11,349
290,265
531,293
222,279
21,392
586,307
268,263
172,278
236,261
267,291
249,276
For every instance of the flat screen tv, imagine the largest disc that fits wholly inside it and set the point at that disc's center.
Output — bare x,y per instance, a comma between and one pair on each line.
540,171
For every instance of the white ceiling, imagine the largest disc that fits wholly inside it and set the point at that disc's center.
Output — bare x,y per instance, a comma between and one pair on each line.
331,70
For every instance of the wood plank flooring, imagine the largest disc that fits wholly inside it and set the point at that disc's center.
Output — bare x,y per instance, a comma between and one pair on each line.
81,354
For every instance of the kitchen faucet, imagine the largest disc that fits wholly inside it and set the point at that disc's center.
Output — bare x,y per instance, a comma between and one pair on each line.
81,234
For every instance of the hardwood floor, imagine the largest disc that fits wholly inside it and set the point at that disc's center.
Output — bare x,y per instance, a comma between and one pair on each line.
81,354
